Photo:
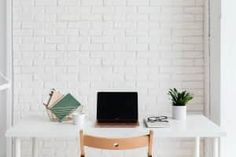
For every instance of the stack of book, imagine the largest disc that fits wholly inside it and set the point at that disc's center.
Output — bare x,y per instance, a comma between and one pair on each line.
60,107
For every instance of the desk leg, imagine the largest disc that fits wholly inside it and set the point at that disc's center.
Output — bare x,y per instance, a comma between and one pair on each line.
197,147
18,148
34,147
216,147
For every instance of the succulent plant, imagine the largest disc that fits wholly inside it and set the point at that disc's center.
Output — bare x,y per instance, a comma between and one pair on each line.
179,98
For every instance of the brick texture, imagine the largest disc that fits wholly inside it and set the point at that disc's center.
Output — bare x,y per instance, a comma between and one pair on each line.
85,46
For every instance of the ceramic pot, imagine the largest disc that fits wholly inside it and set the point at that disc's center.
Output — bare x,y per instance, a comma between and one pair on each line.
179,112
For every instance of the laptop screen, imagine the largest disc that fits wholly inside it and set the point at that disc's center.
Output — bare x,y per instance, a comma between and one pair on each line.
117,107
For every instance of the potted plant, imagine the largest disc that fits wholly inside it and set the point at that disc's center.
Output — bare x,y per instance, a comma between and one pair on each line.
179,100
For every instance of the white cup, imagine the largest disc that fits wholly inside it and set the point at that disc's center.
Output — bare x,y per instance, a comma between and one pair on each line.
79,119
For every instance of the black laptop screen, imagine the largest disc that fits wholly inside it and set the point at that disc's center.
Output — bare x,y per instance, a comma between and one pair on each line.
117,106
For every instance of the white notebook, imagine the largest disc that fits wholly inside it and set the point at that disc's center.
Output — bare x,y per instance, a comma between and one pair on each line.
156,124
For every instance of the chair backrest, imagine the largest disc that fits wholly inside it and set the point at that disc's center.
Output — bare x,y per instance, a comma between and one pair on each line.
116,143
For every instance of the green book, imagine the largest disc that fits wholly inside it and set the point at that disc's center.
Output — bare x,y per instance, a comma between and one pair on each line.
65,106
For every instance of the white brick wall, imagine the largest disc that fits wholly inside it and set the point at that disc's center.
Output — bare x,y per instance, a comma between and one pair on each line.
83,46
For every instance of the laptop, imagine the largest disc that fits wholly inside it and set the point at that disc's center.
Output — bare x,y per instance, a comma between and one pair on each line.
117,107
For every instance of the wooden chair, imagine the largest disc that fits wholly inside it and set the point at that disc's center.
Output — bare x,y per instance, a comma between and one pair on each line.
116,143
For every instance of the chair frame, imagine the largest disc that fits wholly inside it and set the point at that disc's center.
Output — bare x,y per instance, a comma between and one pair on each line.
116,143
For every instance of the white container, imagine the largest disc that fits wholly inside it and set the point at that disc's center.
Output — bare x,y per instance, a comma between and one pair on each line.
179,112
79,119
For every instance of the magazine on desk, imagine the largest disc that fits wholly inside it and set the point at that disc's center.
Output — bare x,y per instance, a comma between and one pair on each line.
156,122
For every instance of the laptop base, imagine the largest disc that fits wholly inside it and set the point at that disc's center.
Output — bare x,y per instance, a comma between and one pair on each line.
116,125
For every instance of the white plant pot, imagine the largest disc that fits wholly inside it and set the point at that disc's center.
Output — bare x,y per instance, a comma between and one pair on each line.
179,112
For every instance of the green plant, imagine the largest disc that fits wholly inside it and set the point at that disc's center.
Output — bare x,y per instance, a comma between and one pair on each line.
179,98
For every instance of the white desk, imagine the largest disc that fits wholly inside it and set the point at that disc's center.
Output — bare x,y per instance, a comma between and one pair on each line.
196,126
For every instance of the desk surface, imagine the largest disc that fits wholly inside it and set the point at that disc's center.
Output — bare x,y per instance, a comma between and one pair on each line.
39,126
